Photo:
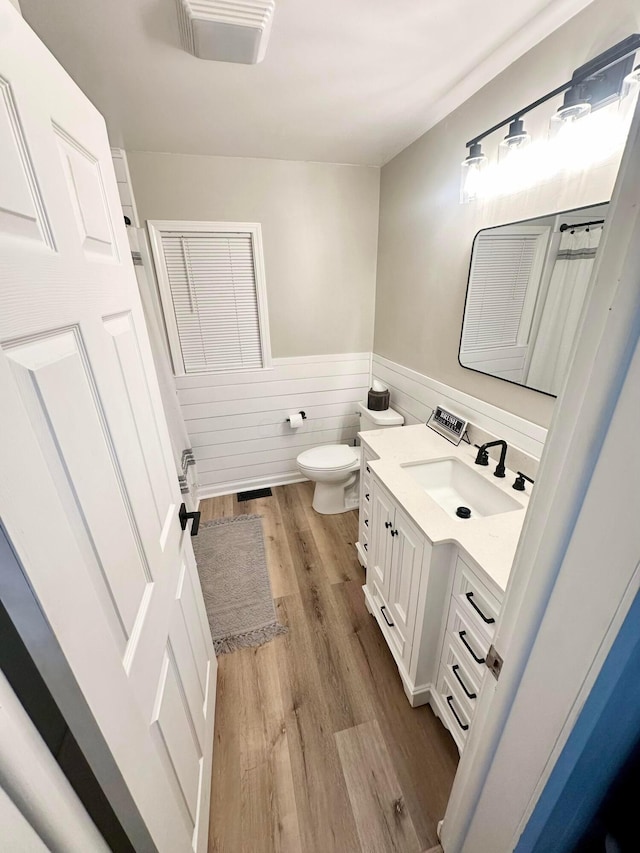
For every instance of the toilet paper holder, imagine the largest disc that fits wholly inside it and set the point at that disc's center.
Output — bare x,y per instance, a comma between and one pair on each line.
302,415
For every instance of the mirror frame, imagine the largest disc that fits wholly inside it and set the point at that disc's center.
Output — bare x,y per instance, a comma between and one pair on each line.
466,295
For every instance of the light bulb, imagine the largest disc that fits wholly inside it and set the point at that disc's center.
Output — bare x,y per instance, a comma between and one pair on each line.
473,167
631,82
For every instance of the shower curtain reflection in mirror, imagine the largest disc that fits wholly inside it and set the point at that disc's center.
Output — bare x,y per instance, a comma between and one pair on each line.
563,306
528,285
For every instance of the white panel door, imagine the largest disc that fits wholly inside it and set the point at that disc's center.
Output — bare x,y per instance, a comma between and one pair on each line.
88,491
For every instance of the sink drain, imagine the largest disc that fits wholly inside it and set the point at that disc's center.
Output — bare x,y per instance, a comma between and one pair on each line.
463,512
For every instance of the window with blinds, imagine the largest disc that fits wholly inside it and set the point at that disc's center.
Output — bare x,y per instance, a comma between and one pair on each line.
500,276
212,286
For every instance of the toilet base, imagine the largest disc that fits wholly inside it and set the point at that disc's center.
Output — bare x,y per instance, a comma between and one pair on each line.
333,498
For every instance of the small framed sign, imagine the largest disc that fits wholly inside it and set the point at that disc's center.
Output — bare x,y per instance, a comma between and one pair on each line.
447,425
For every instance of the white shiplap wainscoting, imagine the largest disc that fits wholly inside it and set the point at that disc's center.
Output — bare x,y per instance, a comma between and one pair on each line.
415,396
237,422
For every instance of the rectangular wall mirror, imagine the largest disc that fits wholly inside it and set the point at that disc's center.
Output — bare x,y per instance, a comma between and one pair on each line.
528,282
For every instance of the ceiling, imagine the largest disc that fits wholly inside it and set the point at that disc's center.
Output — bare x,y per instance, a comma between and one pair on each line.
343,81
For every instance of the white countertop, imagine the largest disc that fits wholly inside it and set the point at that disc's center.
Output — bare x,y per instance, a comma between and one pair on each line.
491,541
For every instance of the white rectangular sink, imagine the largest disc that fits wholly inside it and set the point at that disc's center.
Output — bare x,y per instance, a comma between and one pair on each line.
453,484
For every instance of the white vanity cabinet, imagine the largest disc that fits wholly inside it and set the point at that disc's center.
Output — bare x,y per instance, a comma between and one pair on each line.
435,608
405,590
435,582
363,545
473,610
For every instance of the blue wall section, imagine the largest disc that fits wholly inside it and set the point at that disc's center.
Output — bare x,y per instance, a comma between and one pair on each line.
606,732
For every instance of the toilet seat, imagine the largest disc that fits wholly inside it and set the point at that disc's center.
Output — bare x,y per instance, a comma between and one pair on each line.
330,457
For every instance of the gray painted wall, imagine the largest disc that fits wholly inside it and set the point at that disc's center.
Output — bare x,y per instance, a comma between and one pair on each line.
319,230
426,234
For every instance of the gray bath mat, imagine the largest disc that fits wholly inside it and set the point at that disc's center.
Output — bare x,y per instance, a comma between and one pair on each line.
235,583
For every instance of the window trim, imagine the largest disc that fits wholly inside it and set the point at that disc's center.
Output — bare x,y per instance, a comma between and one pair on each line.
158,227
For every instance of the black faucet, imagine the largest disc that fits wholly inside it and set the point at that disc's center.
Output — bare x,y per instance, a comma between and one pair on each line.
483,457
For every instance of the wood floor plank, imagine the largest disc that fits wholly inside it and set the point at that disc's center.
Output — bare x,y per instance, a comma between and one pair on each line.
226,818
220,507
324,813
383,822
322,631
268,800
279,563
337,552
423,752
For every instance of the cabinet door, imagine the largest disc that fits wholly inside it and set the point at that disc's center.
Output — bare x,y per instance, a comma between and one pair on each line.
381,539
404,577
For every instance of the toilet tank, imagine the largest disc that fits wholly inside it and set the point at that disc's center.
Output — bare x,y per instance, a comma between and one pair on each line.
378,420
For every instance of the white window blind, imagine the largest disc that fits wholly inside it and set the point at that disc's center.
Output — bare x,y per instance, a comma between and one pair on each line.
500,275
212,279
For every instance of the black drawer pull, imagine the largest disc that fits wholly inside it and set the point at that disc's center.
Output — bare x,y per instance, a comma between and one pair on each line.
383,610
455,669
462,635
368,470
489,620
365,546
366,522
387,524
394,532
367,496
463,726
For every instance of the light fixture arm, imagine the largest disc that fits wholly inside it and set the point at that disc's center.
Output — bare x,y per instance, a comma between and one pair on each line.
585,72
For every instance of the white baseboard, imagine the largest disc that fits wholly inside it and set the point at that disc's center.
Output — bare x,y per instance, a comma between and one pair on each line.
417,696
231,488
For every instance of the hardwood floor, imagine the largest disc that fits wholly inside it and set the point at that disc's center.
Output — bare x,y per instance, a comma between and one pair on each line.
316,748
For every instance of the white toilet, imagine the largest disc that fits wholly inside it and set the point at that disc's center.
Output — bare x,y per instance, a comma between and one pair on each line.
334,468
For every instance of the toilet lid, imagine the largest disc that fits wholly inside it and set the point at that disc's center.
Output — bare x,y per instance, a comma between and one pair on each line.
329,456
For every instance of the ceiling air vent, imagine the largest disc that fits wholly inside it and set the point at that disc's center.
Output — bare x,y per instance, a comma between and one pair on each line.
226,30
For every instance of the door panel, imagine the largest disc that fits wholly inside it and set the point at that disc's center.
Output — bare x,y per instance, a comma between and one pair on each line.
380,559
177,734
87,196
88,490
408,549
22,212
56,388
123,336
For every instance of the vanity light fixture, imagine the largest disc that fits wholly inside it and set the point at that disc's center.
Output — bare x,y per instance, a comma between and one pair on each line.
604,79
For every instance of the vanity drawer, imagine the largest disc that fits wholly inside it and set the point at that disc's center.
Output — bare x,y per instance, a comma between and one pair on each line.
472,644
479,605
365,473
456,716
363,538
390,629
365,502
459,673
